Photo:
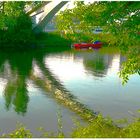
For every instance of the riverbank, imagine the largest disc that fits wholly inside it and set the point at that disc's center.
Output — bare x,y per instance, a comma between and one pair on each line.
52,41
99,128
48,41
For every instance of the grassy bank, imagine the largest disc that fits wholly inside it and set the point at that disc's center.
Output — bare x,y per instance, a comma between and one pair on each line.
52,42
46,41
99,128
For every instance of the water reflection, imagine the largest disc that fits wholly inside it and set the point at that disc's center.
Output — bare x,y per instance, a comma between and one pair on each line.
70,73
96,65
16,93
92,77
15,69
79,64
18,68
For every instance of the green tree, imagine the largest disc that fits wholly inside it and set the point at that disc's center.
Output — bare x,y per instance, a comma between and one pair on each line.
16,24
120,24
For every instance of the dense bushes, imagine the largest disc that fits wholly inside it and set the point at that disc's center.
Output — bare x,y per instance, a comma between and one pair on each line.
15,26
99,128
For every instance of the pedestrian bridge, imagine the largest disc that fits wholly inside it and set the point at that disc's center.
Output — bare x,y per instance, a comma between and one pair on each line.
41,15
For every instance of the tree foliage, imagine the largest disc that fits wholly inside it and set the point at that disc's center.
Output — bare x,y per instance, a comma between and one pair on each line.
119,20
15,24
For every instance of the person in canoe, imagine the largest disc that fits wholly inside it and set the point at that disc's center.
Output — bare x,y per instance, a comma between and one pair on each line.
95,45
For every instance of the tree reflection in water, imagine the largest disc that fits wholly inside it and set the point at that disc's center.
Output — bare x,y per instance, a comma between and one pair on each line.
16,93
17,68
96,65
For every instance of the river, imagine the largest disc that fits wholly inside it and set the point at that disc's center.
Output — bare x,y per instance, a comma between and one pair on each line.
91,77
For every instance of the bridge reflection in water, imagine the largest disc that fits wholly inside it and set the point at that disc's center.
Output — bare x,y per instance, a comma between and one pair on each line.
77,82
17,69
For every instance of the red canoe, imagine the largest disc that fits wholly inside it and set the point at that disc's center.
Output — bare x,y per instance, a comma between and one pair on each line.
95,45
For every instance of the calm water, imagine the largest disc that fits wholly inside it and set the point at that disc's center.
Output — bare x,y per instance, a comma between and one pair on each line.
91,76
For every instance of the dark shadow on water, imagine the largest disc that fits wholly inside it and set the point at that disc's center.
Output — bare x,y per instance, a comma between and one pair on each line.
16,68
